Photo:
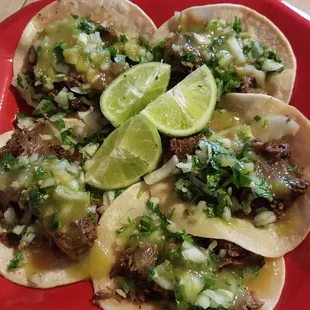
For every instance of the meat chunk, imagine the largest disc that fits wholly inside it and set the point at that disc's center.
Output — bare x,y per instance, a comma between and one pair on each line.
299,186
252,302
108,34
135,261
278,207
182,147
274,149
236,255
25,142
60,152
248,86
78,105
77,237
181,55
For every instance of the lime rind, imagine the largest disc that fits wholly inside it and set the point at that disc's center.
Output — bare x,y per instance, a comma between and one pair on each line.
186,108
129,152
133,90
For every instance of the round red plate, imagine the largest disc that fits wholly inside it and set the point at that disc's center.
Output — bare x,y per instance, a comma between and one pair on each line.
78,296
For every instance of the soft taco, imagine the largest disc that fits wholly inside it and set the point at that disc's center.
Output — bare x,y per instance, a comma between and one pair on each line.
246,52
245,177
69,53
47,217
145,261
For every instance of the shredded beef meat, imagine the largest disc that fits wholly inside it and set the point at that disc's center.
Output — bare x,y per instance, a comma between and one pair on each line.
299,186
73,80
176,49
278,207
248,86
10,240
182,147
25,142
235,255
135,261
78,105
273,149
252,302
108,34
78,238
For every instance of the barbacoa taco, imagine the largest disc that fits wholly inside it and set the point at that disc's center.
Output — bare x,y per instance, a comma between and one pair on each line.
143,260
67,55
47,217
246,52
245,177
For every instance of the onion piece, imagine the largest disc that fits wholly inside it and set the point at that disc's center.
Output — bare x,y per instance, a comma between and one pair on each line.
10,216
163,172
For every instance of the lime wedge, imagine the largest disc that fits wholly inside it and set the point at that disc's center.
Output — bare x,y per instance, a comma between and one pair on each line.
129,152
186,108
133,90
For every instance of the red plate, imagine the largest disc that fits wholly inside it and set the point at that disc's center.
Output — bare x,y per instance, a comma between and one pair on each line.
78,296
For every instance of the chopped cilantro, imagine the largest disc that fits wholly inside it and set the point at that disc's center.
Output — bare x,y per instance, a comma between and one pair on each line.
39,173
20,116
61,123
15,261
65,136
86,25
143,43
186,212
208,132
8,162
189,57
58,50
123,38
288,120
46,108
20,81
75,16
113,51
128,286
151,273
257,118
55,222
237,25
158,51
35,197
119,191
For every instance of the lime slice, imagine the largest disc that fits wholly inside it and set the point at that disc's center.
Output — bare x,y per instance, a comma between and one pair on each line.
129,152
133,90
186,108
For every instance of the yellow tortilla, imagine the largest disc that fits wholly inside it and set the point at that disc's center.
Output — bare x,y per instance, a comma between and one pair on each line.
125,16
268,285
258,26
41,268
277,239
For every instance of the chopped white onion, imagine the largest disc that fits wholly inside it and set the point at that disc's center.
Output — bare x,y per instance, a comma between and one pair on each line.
163,172
264,218
10,216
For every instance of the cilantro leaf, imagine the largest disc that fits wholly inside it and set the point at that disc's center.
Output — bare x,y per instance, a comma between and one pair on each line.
58,50
86,25
8,162
237,25
15,261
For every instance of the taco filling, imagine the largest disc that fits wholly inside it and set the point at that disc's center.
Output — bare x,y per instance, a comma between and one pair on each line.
44,203
73,60
161,261
238,62
237,170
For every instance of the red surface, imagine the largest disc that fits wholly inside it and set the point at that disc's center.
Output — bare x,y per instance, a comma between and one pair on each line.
297,29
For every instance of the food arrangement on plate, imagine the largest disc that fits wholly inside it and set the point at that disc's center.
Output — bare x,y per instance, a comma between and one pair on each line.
163,164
